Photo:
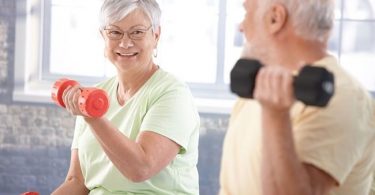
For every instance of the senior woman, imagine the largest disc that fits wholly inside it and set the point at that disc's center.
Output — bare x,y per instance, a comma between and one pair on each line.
147,142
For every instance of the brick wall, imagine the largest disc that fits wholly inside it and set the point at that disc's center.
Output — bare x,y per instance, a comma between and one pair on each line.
35,139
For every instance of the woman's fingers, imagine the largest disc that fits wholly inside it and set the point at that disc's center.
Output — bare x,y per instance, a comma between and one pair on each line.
76,96
70,98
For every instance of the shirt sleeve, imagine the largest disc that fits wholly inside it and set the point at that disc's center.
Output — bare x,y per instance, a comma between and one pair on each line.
79,127
332,139
174,116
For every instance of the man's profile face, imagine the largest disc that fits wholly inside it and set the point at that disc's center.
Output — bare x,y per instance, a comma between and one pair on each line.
253,30
248,23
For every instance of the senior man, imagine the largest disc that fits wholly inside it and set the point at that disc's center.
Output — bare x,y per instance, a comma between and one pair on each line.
276,145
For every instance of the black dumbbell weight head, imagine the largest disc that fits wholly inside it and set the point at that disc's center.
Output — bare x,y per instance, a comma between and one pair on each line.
314,86
242,77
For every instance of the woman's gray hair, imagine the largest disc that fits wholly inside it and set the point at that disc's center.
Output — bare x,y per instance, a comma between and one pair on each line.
115,10
312,19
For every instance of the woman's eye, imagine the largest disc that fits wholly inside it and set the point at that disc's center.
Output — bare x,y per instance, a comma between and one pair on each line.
137,32
114,32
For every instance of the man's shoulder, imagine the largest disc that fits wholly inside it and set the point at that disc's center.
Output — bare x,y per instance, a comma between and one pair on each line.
346,85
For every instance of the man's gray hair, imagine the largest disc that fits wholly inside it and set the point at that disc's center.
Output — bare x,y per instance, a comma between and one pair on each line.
115,10
312,19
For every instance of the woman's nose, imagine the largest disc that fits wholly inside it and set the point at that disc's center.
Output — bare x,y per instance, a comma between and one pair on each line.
126,42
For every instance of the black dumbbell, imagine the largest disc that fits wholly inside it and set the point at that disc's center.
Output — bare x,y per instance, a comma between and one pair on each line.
313,85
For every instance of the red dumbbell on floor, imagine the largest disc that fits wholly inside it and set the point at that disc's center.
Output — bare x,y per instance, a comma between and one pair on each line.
30,193
93,102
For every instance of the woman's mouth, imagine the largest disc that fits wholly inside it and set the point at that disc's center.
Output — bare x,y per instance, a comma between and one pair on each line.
127,55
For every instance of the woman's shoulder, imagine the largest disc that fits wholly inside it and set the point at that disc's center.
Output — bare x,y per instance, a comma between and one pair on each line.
165,80
166,85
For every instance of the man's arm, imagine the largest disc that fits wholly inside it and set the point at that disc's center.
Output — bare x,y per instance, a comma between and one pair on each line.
74,182
282,171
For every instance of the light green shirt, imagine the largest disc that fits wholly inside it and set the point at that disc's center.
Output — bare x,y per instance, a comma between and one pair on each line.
163,105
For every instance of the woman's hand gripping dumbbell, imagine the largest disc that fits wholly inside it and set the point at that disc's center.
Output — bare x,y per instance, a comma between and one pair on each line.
92,102
313,85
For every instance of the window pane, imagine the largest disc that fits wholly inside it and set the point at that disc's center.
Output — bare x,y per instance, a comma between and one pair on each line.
76,46
188,45
334,40
338,4
359,9
358,48
234,39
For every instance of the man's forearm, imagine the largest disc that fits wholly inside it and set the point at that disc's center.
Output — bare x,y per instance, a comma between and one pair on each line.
268,180
282,172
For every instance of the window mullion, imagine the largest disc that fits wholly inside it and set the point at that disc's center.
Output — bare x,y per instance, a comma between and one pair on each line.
221,43
46,38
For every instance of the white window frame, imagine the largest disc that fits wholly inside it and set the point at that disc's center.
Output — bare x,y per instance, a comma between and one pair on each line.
28,87
33,82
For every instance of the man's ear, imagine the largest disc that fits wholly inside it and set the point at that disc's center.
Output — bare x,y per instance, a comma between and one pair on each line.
276,18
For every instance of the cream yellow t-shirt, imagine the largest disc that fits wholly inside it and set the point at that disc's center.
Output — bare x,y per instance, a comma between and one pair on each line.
163,105
339,139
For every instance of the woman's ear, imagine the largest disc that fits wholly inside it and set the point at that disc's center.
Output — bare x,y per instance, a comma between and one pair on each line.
276,18
157,35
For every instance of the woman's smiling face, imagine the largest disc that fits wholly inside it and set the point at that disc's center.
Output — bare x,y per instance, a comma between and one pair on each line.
129,43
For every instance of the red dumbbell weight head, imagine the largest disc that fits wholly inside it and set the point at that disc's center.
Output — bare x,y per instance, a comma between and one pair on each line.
93,102
30,193
59,88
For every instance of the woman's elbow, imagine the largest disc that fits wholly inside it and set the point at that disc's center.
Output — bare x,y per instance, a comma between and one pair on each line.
140,175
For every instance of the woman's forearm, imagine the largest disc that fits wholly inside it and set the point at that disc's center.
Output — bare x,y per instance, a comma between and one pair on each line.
128,156
71,186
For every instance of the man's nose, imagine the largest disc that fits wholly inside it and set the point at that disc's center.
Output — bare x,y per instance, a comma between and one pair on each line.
240,27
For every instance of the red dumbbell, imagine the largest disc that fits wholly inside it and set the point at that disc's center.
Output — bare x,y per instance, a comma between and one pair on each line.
30,193
93,102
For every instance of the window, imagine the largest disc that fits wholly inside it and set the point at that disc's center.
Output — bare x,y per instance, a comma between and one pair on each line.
74,45
356,39
200,43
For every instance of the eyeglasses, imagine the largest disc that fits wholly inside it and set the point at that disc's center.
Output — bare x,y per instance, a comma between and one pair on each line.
135,33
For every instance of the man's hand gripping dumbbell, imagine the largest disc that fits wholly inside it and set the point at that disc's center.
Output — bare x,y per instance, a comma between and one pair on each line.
89,102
